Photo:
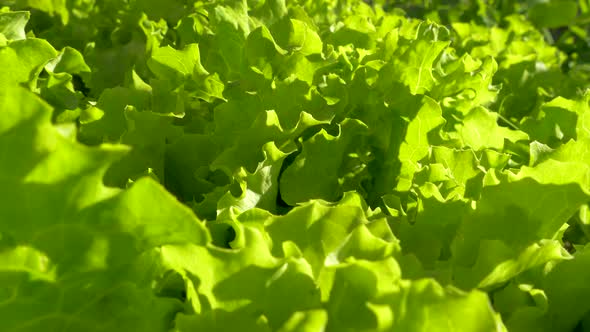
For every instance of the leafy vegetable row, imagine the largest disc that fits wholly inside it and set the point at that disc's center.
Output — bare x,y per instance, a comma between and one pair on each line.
293,166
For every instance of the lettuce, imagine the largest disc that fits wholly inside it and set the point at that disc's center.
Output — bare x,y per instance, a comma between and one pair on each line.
272,165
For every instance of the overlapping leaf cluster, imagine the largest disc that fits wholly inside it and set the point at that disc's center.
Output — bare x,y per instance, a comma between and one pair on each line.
274,165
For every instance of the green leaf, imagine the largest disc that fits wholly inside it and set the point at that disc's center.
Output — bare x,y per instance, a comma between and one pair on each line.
23,60
70,61
415,67
86,237
417,140
296,36
430,234
426,305
147,135
517,213
51,7
480,130
111,126
543,14
353,295
317,229
222,321
176,66
312,321
12,24
260,188
317,171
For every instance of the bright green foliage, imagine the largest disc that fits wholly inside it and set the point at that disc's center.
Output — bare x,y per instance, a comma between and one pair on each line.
272,165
